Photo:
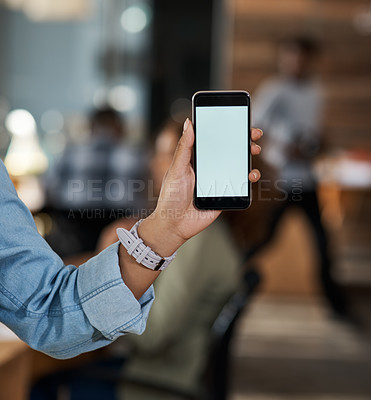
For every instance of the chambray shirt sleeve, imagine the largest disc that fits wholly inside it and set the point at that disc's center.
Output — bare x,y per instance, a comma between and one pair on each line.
60,310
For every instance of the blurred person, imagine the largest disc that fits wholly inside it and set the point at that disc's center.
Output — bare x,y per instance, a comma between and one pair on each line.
173,350
94,183
289,108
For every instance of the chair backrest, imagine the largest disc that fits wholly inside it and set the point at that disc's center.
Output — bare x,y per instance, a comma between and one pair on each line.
216,377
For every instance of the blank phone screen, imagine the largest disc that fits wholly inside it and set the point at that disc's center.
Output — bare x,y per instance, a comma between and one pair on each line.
222,146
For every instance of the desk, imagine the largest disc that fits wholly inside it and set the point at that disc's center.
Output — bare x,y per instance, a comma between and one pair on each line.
20,366
14,367
344,184
345,198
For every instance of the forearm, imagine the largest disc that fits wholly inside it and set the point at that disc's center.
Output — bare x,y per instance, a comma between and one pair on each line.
155,234
136,277
67,311
60,309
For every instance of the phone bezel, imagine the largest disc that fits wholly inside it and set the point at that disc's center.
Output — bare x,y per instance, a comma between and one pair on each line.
221,98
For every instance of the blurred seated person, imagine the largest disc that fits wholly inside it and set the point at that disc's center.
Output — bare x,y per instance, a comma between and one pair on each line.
289,108
173,350
94,184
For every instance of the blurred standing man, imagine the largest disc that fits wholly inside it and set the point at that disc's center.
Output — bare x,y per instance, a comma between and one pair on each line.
289,109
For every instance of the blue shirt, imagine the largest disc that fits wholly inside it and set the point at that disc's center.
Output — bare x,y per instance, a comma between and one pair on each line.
60,310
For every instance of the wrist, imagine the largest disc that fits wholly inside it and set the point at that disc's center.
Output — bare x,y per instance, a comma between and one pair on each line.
159,234
136,277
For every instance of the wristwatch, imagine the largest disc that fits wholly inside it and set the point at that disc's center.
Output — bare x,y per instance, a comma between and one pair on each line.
143,254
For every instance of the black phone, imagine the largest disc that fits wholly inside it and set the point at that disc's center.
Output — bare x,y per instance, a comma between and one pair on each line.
222,158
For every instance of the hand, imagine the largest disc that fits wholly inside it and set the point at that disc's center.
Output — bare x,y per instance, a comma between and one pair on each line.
175,219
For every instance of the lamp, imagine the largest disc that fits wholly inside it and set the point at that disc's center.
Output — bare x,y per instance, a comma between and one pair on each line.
24,156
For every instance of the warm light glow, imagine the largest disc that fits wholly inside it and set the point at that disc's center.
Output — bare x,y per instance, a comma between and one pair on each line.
122,98
30,191
44,223
24,156
20,123
134,19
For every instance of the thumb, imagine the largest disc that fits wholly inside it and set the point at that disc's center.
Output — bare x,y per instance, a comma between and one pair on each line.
183,152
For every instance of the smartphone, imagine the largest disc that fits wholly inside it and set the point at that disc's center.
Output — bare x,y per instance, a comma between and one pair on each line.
222,158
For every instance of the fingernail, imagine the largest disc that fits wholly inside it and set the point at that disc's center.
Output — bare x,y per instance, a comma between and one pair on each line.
186,123
259,147
261,132
255,175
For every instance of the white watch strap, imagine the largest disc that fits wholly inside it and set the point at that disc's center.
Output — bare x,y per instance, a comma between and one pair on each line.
143,254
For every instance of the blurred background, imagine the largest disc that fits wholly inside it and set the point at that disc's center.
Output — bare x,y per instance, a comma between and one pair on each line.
75,71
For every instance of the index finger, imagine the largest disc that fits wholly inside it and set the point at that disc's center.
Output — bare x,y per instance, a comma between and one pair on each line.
256,134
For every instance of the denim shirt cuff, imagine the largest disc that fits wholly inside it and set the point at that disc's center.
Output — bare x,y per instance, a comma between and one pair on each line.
108,303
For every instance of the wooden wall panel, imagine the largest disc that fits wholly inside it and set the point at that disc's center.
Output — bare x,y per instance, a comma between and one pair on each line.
345,65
